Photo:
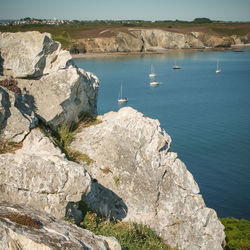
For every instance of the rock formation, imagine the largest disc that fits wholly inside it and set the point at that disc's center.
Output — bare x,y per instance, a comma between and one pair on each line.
22,227
138,40
39,175
132,158
56,91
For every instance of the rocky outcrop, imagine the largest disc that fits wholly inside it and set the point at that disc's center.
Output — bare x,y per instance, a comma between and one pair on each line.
24,228
51,87
39,175
32,54
132,158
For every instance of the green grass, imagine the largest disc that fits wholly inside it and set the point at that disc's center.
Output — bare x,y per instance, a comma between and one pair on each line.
130,235
237,233
64,135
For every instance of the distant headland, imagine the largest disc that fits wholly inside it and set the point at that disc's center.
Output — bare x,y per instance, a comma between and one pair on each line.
136,36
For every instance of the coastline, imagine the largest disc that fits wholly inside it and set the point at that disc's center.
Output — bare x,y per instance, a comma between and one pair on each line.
133,53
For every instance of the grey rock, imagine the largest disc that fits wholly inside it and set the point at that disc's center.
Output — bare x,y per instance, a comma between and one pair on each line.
56,91
63,96
16,118
50,233
32,54
39,175
132,158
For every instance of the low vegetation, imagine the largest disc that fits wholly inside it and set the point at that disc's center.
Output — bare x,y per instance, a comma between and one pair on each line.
22,219
65,134
11,84
9,147
131,236
237,233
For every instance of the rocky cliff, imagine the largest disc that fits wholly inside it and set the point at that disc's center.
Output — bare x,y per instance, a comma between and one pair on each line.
133,175
50,87
143,40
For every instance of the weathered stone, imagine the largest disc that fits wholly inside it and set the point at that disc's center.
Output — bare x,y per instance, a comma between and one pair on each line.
132,158
63,96
50,233
16,118
63,92
32,54
39,175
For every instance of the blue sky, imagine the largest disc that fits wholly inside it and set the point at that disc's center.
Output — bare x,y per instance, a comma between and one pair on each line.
226,10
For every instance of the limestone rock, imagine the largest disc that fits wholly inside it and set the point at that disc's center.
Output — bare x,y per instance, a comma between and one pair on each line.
136,40
47,232
132,158
167,40
56,90
39,175
61,97
32,54
16,118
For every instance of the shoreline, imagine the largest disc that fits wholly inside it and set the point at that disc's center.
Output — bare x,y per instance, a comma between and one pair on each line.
159,52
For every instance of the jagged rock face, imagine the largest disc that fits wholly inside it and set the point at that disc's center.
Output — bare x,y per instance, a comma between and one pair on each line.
32,54
167,40
132,158
61,94
46,233
39,175
15,119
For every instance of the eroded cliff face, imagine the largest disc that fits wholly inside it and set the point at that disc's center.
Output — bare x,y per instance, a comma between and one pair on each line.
142,40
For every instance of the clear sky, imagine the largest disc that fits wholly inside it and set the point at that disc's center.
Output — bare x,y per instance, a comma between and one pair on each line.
226,10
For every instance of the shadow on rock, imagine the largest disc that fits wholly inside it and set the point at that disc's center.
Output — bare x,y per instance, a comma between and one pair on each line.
101,200
26,105
5,104
1,64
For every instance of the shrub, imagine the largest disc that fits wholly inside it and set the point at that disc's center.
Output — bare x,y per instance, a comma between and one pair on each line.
237,233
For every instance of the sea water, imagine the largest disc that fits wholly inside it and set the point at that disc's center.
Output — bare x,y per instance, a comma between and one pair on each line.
206,114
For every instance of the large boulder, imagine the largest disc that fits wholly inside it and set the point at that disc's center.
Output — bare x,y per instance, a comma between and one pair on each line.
39,175
51,86
132,158
24,228
32,54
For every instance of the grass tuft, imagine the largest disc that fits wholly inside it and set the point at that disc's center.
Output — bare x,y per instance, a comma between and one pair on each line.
9,147
130,235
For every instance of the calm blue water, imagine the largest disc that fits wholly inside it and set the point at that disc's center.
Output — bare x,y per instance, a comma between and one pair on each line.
206,114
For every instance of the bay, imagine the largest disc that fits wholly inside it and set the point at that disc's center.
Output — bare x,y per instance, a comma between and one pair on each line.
206,114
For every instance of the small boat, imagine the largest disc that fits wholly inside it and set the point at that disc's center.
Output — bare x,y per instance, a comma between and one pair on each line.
154,82
176,66
120,98
152,74
218,70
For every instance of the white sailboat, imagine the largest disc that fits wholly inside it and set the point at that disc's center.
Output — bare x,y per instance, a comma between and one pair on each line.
153,82
152,74
218,70
176,66
120,98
